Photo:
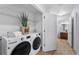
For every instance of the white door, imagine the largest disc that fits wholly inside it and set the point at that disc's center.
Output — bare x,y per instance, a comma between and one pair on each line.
49,32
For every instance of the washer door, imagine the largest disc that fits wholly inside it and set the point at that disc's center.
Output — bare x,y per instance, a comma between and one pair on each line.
23,48
36,43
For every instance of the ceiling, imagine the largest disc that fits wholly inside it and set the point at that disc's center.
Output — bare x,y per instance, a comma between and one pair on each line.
18,7
59,9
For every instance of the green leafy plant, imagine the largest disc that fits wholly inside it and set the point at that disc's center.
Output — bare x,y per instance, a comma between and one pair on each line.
24,20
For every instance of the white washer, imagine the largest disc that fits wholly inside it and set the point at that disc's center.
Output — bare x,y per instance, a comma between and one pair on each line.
15,46
28,44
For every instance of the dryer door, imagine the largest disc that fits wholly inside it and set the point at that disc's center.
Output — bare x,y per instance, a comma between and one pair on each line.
36,43
23,48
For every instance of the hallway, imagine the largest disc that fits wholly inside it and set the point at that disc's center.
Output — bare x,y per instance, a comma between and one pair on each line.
63,48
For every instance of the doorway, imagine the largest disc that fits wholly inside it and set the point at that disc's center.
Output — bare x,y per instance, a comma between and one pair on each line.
63,34
63,46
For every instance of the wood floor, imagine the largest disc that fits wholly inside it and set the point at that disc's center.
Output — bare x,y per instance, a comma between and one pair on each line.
63,48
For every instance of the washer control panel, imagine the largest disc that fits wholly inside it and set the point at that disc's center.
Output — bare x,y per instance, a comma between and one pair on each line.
12,42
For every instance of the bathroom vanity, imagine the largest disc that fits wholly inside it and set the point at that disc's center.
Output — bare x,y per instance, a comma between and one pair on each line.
64,35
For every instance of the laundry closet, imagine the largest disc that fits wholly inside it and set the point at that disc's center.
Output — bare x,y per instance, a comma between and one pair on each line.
10,25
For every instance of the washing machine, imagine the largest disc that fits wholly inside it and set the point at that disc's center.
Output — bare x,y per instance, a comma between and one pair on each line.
35,42
15,46
28,44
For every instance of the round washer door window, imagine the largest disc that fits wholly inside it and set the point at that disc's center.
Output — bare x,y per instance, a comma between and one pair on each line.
23,48
36,43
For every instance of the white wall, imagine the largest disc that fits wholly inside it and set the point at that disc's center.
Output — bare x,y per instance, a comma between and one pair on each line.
9,17
75,15
72,15
76,30
39,23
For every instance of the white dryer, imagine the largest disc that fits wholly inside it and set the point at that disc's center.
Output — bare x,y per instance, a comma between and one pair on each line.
35,42
15,46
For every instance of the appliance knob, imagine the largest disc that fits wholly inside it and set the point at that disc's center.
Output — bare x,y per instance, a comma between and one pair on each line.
8,47
39,34
22,38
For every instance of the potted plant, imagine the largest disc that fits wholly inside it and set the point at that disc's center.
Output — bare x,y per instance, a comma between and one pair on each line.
24,23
